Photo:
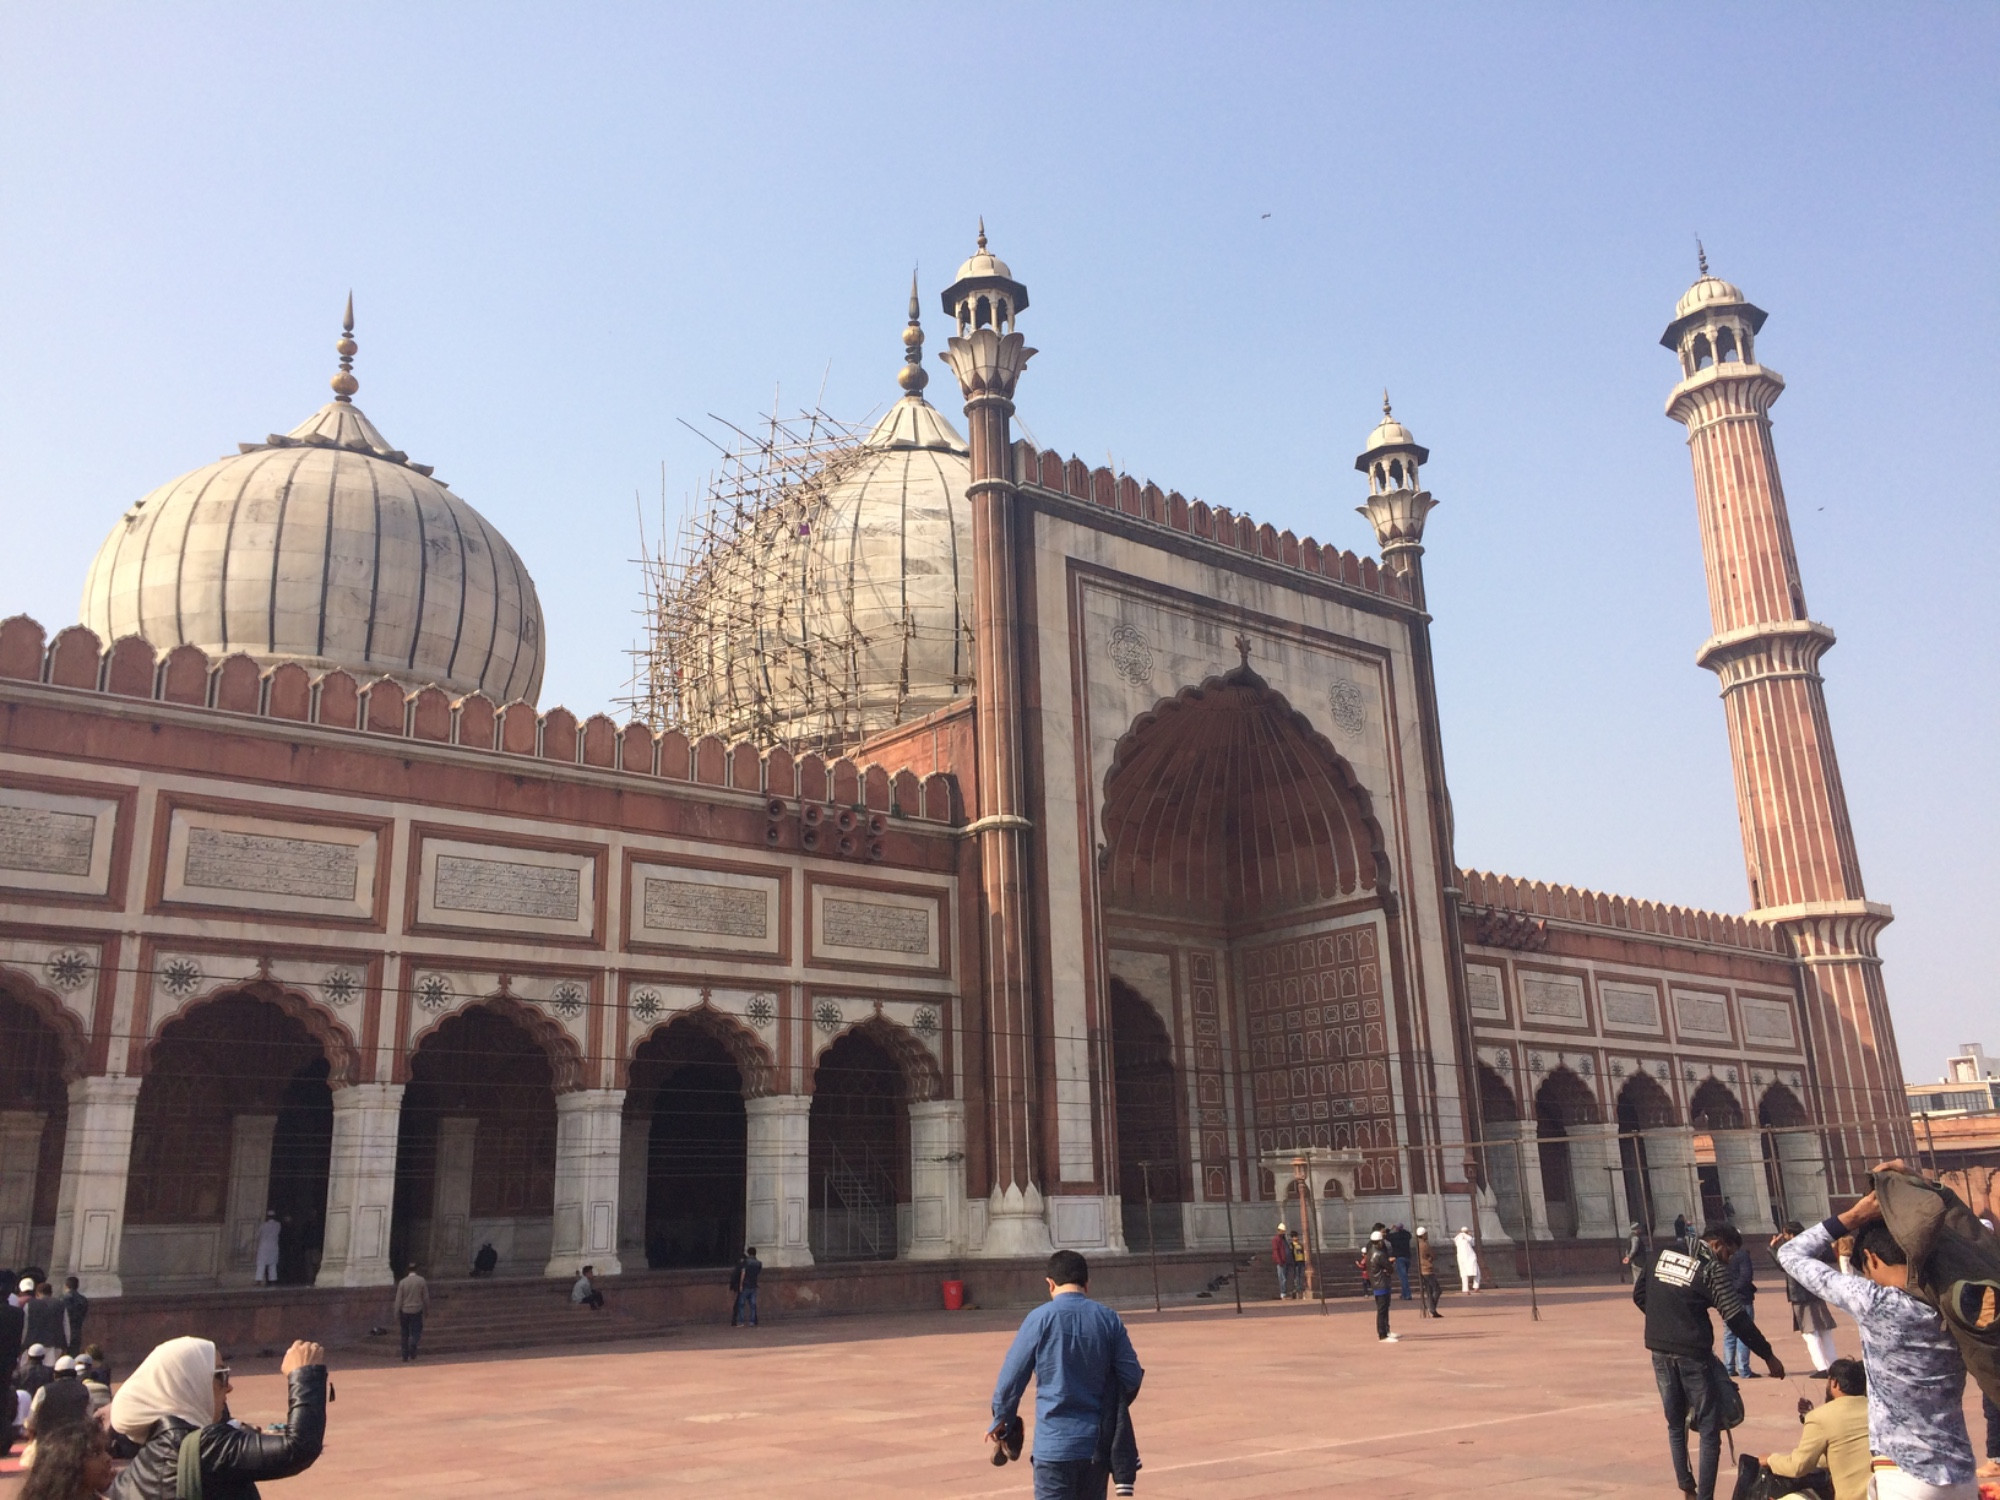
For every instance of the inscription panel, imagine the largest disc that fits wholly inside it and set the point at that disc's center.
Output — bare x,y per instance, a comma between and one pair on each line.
500,889
55,843
881,927
1552,997
1768,1021
725,911
1482,992
1630,1007
251,863
1697,1014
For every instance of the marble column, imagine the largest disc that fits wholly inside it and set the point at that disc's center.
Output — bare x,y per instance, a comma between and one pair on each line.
777,1188
361,1185
97,1158
20,1154
1739,1162
937,1179
1671,1176
1802,1169
451,1245
249,1195
1599,1193
589,1132
1515,1164
635,1160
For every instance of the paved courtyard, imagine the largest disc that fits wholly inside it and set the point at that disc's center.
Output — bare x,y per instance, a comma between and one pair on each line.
1280,1400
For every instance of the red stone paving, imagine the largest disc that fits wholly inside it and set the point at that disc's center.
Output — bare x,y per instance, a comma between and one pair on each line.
1279,1401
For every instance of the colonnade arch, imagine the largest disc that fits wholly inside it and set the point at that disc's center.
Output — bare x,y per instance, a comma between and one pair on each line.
1563,1103
40,1056
859,1148
1148,1118
687,1143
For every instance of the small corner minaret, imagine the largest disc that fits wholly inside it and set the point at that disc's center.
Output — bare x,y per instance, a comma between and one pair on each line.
1798,840
987,355
1397,501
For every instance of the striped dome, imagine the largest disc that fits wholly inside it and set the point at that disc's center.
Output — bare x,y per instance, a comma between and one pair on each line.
327,547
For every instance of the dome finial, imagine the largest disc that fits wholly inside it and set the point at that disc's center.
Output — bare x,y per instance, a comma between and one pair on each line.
982,231
913,377
1385,403
344,384
1701,254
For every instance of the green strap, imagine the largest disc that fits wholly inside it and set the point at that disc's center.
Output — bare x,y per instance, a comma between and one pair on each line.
188,1486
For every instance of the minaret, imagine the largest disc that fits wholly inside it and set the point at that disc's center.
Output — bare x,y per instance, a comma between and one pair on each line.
1397,500
987,356
1798,841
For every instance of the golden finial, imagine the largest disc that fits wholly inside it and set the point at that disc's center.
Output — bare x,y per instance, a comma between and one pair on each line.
913,377
982,231
1701,254
344,384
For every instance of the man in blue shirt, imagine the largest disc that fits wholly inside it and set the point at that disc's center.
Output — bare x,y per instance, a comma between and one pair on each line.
1084,1369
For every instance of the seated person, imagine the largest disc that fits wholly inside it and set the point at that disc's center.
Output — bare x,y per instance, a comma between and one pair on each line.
487,1258
585,1292
1832,1451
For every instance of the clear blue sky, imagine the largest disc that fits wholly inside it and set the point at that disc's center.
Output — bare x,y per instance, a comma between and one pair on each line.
568,226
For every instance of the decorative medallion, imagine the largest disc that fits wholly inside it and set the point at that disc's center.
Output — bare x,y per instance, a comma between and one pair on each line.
827,1017
1584,1066
180,977
646,1005
1535,1061
1617,1068
1132,655
761,1011
1663,1071
1348,702
1757,1078
926,1022
566,1000
1687,1072
433,992
68,970
1730,1074
340,987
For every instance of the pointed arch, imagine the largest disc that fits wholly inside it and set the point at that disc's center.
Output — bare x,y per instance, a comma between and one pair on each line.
72,1041
322,1025
923,1079
1714,1106
746,1049
1780,1109
1644,1105
566,1066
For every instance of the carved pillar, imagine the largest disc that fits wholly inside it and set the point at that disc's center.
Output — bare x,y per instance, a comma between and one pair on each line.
987,355
97,1156
1739,1162
20,1154
1598,1186
361,1185
937,1179
451,1247
1671,1176
1802,1171
635,1151
1520,1151
777,1187
249,1195
589,1129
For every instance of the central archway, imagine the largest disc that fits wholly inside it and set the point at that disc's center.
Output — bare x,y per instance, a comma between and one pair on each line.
1238,840
1152,1147
859,1150
686,1085
37,1061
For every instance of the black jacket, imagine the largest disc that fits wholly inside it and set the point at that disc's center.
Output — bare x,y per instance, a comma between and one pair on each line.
1676,1290
1399,1243
12,1324
233,1458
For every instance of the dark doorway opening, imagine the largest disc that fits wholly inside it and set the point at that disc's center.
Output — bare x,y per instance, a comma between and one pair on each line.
301,1155
860,1152
697,1149
1150,1149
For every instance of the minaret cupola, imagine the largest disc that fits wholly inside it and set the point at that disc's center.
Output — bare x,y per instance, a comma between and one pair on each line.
986,295
1714,324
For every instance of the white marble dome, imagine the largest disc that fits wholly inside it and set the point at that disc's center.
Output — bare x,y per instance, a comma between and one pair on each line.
846,611
1707,291
326,547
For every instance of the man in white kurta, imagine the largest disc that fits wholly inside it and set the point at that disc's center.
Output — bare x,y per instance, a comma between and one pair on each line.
267,1248
1468,1260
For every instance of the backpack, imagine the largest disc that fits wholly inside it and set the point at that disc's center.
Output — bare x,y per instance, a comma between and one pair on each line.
1726,1394
1954,1266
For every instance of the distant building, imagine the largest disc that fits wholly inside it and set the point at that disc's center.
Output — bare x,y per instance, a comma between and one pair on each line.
1956,1121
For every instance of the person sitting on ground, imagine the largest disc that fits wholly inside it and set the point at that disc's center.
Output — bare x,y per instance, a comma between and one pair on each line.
59,1404
585,1292
35,1370
178,1399
71,1463
1834,1445
99,1388
487,1258
100,1362
1916,1376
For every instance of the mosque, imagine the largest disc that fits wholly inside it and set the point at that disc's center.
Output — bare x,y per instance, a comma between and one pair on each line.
1098,892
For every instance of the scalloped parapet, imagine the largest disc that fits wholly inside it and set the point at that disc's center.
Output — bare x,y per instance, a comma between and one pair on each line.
1143,501
1482,890
186,677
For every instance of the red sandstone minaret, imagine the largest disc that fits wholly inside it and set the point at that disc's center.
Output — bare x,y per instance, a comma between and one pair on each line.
1798,842
987,356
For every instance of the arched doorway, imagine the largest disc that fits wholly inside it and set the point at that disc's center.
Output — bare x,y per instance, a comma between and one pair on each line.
1642,1106
687,1086
1499,1156
234,1117
1237,839
34,1116
476,1148
1151,1145
1712,1108
858,1171
1791,1155
1562,1102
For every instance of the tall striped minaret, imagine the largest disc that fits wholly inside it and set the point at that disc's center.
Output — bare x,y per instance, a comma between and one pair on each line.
1798,841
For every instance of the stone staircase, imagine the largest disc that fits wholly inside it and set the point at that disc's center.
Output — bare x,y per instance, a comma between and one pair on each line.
471,1317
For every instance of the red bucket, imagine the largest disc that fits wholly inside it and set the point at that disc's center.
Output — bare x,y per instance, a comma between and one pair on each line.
954,1295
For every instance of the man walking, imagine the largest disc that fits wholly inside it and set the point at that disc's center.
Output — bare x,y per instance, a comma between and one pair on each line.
1468,1260
1084,1370
1743,1277
1287,1263
1399,1247
1916,1376
1377,1266
743,1282
267,1248
413,1300
1427,1273
1675,1290
76,1307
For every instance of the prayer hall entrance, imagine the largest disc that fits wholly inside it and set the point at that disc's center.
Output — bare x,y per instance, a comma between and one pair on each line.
684,1112
37,1062
859,1151
1242,882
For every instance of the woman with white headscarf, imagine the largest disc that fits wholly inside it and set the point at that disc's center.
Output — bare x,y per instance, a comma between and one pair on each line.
176,1405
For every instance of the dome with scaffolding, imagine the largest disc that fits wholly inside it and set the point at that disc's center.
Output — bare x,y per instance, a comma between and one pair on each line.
822,594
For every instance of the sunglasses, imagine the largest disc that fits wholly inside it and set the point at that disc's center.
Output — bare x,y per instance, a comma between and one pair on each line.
223,1374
